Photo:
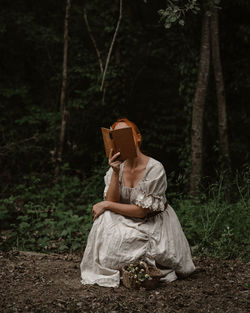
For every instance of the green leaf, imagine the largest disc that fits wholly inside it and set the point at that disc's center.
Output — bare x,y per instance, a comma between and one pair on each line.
63,247
173,19
23,225
76,245
64,232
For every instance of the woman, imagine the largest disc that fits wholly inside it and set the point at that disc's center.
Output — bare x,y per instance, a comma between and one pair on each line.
134,222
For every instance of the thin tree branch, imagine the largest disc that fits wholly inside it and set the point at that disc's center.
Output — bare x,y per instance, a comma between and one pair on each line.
93,40
111,46
14,144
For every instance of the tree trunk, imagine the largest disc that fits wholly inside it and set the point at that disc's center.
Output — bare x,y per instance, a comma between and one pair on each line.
64,112
221,102
198,107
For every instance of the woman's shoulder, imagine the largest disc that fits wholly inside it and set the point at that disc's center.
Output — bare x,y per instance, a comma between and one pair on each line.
155,163
155,168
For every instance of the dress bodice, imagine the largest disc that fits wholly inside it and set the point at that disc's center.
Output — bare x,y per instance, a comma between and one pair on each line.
149,191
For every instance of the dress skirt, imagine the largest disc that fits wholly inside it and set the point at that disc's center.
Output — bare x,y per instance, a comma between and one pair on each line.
116,240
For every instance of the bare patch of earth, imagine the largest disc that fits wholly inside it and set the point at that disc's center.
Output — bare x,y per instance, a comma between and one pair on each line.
34,282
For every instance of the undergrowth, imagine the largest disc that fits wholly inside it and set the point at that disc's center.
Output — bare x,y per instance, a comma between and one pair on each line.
43,215
216,222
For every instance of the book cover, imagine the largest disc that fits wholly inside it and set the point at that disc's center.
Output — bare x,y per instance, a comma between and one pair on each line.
120,140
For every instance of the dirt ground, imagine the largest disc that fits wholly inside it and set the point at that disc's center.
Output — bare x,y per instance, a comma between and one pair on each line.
33,282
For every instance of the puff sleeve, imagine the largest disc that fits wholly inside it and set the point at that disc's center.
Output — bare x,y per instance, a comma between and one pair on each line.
107,179
151,192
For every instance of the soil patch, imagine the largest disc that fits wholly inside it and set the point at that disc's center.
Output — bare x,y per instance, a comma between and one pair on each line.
35,282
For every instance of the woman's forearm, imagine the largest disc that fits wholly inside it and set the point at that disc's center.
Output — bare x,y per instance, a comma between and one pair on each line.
113,193
130,210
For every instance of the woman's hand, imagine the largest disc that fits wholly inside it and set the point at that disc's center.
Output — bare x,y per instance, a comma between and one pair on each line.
99,208
113,162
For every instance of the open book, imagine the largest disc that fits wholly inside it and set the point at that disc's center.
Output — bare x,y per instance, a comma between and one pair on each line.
120,140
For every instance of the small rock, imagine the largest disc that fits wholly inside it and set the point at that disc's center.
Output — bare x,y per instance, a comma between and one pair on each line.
79,304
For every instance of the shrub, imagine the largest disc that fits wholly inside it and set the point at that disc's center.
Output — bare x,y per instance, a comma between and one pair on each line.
50,217
43,215
215,223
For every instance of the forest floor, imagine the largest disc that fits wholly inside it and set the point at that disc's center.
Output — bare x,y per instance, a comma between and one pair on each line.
35,282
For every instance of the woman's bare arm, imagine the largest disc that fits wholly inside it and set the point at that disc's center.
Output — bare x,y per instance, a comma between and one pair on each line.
130,210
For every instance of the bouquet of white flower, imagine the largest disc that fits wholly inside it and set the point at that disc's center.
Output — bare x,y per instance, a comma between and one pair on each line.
140,274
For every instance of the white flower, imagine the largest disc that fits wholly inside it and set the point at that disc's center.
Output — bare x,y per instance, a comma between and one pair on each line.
155,203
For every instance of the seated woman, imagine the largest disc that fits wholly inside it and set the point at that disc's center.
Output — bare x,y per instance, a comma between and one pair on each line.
134,222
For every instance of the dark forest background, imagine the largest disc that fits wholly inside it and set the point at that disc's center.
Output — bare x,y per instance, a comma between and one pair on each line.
151,79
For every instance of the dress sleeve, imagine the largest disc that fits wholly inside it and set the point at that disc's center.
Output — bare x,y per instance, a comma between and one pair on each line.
107,179
151,192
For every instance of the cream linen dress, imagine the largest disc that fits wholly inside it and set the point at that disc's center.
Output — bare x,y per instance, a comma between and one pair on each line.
116,240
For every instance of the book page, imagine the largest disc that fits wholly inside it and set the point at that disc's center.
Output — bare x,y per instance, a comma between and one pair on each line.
108,142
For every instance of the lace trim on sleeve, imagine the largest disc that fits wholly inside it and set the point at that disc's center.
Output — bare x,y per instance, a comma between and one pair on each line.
152,202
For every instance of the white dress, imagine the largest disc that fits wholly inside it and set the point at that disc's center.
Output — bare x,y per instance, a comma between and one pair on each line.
116,240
